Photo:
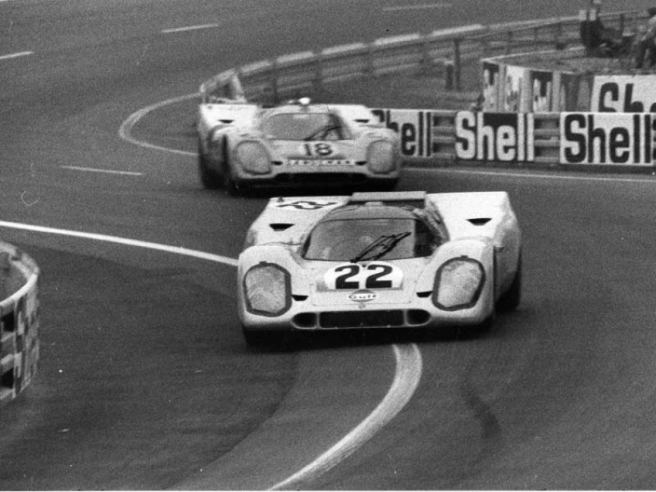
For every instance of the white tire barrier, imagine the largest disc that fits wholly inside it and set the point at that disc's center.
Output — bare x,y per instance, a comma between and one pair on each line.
19,321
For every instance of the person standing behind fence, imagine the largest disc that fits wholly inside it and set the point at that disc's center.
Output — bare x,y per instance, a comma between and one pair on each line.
647,43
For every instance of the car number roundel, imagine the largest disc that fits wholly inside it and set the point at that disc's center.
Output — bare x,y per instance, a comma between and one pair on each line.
374,275
316,149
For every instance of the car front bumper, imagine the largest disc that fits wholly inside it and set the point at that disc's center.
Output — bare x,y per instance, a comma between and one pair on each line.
303,316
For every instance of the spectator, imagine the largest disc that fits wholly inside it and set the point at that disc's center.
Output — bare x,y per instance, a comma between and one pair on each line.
647,43
598,39
591,31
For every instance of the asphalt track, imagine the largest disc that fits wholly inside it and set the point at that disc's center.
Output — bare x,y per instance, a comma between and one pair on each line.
145,381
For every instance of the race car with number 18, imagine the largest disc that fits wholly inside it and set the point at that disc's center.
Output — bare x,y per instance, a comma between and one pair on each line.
241,145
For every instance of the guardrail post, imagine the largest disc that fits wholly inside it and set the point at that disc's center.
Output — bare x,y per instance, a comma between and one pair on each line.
4,275
509,40
457,64
318,73
485,47
425,52
371,62
448,75
274,82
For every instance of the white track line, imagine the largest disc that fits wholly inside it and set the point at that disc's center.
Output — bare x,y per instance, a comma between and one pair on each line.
107,171
16,55
406,380
441,5
534,175
125,130
189,28
124,241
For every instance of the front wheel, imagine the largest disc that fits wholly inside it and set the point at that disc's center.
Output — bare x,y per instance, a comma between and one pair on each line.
510,299
208,178
382,184
260,338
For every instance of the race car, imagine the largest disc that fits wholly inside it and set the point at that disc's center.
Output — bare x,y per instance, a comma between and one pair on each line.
242,144
379,260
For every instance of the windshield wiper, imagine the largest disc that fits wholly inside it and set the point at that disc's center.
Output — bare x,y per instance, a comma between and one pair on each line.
384,244
322,131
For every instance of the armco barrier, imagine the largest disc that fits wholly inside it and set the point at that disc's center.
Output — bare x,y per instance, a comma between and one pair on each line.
271,80
432,136
19,321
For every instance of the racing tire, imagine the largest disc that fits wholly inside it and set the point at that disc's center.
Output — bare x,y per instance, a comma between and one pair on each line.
389,185
381,185
261,338
209,179
229,183
232,187
509,300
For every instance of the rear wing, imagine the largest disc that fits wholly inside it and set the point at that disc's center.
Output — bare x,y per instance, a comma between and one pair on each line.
356,114
213,115
475,214
287,219
223,87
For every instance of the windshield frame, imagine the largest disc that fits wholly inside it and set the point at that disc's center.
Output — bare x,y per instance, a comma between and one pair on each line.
332,123
420,243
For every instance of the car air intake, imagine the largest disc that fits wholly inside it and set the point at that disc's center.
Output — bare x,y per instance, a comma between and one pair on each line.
481,221
359,319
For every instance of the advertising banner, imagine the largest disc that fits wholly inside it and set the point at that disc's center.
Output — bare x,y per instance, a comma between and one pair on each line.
492,84
542,83
502,137
624,94
415,128
606,138
516,95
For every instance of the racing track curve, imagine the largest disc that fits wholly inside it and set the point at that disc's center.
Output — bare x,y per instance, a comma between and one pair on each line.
145,380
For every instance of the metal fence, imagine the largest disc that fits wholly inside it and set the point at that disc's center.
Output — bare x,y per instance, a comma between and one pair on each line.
268,81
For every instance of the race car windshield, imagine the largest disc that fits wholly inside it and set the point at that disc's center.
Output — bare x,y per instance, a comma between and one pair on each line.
369,239
303,127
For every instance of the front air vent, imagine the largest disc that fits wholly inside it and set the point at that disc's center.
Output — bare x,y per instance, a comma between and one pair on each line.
480,221
305,320
280,227
361,319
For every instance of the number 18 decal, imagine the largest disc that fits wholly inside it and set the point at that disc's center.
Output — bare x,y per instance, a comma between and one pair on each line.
375,275
317,149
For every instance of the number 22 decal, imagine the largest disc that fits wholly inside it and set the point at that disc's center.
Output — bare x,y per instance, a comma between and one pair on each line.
351,276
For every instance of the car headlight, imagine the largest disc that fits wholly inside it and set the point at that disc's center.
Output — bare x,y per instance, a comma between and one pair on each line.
458,284
253,157
267,290
380,156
